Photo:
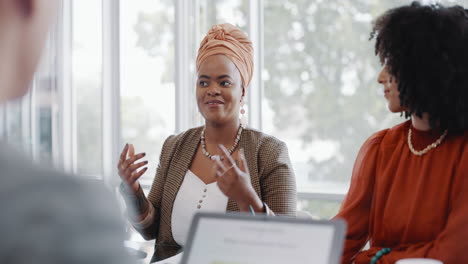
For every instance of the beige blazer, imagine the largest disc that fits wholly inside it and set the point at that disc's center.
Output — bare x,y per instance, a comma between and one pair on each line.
270,169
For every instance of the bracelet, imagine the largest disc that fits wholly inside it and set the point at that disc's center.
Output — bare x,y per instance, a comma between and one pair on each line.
380,254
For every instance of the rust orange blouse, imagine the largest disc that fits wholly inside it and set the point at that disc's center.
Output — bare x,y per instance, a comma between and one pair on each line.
416,205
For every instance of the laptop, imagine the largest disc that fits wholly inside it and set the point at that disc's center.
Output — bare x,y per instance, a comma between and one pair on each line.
219,238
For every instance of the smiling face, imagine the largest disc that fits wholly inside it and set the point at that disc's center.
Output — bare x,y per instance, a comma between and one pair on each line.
219,90
391,92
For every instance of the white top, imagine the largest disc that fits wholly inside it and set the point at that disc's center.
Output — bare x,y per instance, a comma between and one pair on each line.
194,196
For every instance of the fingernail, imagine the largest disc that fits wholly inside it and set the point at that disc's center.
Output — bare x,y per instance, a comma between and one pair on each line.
146,162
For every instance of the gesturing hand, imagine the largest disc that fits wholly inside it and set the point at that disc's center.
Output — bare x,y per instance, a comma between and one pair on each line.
128,168
233,177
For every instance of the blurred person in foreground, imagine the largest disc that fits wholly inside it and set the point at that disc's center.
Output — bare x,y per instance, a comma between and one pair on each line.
409,189
218,167
46,216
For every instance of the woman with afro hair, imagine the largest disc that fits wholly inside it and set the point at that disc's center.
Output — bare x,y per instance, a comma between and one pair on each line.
409,189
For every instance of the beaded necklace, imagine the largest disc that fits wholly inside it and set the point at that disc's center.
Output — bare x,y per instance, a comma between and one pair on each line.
380,254
231,150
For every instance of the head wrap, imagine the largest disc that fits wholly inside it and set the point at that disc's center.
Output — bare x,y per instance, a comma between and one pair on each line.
228,40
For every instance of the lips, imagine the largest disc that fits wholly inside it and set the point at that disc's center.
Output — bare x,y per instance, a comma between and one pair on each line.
214,103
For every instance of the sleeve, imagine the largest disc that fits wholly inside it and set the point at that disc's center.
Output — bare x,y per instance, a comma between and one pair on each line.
145,212
277,179
450,245
355,209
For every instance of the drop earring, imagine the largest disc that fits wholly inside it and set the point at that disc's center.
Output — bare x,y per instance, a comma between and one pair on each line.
242,110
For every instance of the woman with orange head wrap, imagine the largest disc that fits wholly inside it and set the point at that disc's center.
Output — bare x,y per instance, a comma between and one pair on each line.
218,167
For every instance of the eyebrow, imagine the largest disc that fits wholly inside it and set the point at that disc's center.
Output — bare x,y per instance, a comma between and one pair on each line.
219,77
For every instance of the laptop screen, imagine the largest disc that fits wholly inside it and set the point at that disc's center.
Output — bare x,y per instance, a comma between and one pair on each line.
243,239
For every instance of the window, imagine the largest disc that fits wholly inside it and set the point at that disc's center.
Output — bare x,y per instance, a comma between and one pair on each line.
147,77
44,106
213,12
87,84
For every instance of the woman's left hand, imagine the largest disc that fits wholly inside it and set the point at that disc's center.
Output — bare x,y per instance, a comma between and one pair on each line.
233,177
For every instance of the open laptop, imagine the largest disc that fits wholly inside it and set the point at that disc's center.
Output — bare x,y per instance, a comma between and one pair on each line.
246,239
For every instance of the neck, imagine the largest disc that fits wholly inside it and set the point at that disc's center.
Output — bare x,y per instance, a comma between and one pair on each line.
221,134
421,123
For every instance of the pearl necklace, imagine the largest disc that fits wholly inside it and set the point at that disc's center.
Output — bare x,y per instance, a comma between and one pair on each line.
231,150
431,146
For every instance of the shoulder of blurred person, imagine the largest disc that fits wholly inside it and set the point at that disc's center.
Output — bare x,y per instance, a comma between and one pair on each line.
51,217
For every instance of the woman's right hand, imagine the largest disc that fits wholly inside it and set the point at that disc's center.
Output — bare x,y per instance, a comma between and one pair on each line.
128,168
